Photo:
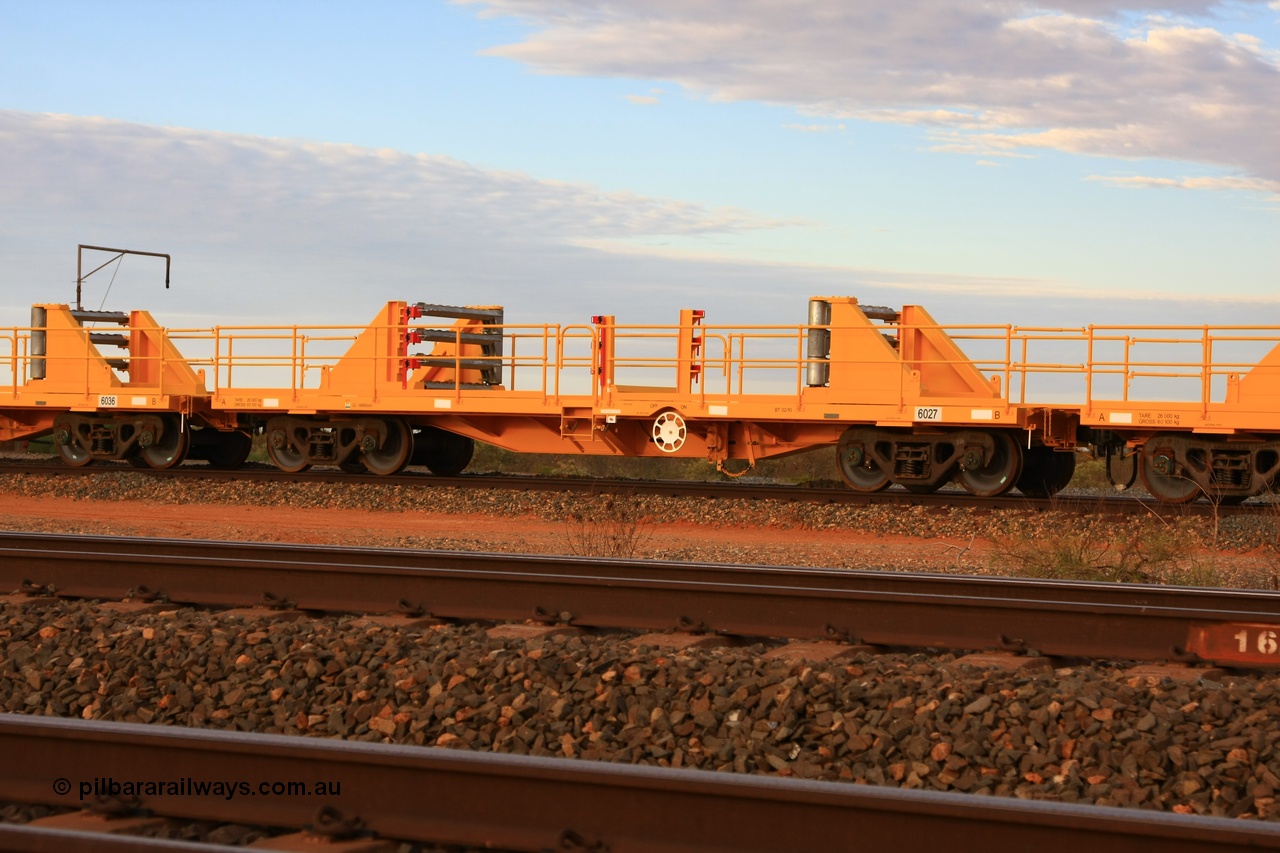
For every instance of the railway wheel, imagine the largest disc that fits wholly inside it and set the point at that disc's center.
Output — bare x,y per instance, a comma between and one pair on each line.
230,449
170,449
989,474
395,451
283,454
1045,471
72,451
1159,476
444,453
858,470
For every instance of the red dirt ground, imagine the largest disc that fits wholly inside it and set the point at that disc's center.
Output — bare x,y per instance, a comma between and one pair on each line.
473,532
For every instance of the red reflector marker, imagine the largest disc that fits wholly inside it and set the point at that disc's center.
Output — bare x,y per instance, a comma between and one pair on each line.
1236,642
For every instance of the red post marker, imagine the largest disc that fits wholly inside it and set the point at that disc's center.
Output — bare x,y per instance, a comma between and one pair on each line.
1249,643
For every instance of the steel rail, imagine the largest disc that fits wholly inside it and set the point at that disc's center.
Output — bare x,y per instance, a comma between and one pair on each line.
1112,504
1061,618
527,803
24,838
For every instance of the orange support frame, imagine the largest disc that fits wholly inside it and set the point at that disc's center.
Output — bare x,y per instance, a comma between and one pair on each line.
60,366
731,391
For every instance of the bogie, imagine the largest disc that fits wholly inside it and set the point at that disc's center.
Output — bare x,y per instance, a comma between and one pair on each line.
984,462
1176,468
144,440
380,446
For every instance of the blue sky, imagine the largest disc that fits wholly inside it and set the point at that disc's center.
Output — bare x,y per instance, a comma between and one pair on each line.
1075,161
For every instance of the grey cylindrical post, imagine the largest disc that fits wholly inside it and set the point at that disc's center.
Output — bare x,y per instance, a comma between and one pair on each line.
39,318
819,345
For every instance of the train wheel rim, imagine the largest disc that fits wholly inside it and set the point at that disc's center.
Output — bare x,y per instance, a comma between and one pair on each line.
395,451
998,473
1166,488
170,450
859,471
74,455
285,457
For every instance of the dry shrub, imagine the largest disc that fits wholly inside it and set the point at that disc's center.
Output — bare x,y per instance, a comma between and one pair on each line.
1145,550
1269,530
612,526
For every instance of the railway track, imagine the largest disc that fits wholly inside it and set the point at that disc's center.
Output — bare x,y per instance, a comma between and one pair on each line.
1114,504
525,803
1052,618
408,793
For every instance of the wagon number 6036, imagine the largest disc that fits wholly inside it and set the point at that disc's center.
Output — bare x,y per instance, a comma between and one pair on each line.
1268,642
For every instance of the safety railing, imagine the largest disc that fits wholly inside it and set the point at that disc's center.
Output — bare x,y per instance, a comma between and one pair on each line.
14,345
1074,366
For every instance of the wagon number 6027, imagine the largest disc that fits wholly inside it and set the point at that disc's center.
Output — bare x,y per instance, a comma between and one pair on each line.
928,413
1268,642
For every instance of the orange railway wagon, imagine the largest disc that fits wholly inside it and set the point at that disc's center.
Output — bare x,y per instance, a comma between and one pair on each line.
903,398
1191,411
890,387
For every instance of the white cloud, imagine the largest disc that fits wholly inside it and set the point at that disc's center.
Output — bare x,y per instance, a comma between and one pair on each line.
1229,182
643,100
215,182
333,221
998,77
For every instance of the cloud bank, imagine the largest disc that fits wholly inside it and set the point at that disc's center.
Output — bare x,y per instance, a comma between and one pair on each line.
282,229
227,185
279,231
992,78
